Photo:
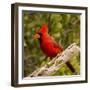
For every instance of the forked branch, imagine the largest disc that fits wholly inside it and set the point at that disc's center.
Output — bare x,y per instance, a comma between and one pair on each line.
56,63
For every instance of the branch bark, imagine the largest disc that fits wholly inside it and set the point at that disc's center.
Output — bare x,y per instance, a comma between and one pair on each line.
56,63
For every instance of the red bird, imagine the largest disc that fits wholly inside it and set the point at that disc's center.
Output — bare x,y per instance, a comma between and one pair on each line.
49,47
47,44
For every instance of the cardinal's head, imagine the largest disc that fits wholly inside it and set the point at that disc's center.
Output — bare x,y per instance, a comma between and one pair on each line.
42,32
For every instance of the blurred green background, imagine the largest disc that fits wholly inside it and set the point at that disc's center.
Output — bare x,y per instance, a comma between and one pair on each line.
65,28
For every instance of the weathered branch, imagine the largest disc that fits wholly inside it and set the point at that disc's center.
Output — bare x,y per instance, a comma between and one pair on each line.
56,63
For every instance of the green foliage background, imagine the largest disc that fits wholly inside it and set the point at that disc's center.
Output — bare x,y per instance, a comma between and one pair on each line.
65,28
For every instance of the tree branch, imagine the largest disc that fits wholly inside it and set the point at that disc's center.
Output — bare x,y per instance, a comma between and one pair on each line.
56,63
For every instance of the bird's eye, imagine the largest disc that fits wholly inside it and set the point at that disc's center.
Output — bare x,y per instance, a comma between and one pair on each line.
40,34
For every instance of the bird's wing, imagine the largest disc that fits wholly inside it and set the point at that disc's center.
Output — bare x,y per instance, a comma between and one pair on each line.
55,44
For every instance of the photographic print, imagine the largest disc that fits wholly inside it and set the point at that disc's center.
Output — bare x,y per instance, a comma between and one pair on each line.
49,44
54,33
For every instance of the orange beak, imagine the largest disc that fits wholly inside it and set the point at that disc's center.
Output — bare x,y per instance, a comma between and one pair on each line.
36,36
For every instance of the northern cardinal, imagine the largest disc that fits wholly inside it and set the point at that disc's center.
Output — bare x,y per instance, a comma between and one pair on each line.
47,44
